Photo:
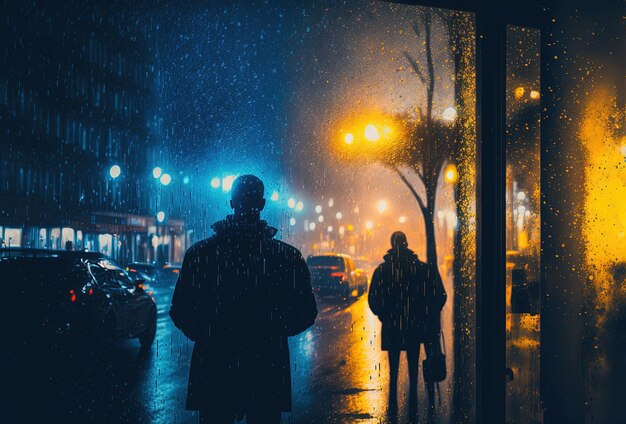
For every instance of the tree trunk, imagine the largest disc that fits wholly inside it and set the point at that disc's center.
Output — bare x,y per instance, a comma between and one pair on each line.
431,242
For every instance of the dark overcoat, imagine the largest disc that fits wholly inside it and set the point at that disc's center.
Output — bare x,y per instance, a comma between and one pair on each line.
239,295
407,295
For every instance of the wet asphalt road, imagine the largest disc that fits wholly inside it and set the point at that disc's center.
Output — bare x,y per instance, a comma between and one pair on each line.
339,376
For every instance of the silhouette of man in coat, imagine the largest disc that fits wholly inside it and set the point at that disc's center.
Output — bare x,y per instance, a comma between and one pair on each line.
239,295
407,295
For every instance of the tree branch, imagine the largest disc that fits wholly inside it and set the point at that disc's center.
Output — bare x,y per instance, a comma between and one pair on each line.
421,176
416,67
412,189
429,63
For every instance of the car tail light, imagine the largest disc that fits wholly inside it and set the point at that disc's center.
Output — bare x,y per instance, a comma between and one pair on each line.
176,271
337,274
90,291
72,296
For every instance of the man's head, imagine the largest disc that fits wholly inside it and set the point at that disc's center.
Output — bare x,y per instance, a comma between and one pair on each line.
247,195
398,240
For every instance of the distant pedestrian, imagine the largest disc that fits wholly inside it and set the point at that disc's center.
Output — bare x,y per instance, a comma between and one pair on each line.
240,294
407,295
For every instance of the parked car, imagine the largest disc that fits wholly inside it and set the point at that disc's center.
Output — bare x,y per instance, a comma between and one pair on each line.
142,270
335,273
168,275
77,297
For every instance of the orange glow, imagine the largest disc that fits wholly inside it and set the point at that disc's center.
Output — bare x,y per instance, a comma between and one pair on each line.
450,174
519,92
371,132
604,228
349,138
534,94
72,296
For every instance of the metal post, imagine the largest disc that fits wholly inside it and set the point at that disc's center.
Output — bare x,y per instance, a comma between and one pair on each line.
491,225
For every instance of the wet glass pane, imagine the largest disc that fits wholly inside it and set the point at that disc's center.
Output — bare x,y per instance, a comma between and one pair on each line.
124,128
523,225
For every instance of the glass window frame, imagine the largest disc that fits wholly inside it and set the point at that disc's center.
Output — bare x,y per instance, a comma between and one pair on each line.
491,23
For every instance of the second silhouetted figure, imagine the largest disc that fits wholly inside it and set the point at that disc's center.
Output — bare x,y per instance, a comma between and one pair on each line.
407,296
240,294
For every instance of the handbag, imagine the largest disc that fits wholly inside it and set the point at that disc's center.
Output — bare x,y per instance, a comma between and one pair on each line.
434,366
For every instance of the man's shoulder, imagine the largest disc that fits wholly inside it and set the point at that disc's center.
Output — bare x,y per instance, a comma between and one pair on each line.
202,245
284,248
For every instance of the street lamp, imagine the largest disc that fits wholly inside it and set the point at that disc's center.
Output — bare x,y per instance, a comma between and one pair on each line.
318,209
349,138
274,196
156,172
338,215
291,203
215,182
371,132
450,174
402,219
160,216
449,114
299,206
115,171
369,225
382,206
227,183
165,179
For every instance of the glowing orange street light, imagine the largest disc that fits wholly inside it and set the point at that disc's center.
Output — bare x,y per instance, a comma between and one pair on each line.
450,174
349,138
371,132
449,114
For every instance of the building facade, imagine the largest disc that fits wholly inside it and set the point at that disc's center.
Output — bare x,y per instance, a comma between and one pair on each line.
80,131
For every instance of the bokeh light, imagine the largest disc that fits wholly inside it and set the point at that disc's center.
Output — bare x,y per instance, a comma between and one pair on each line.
115,171
227,183
165,179
371,132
